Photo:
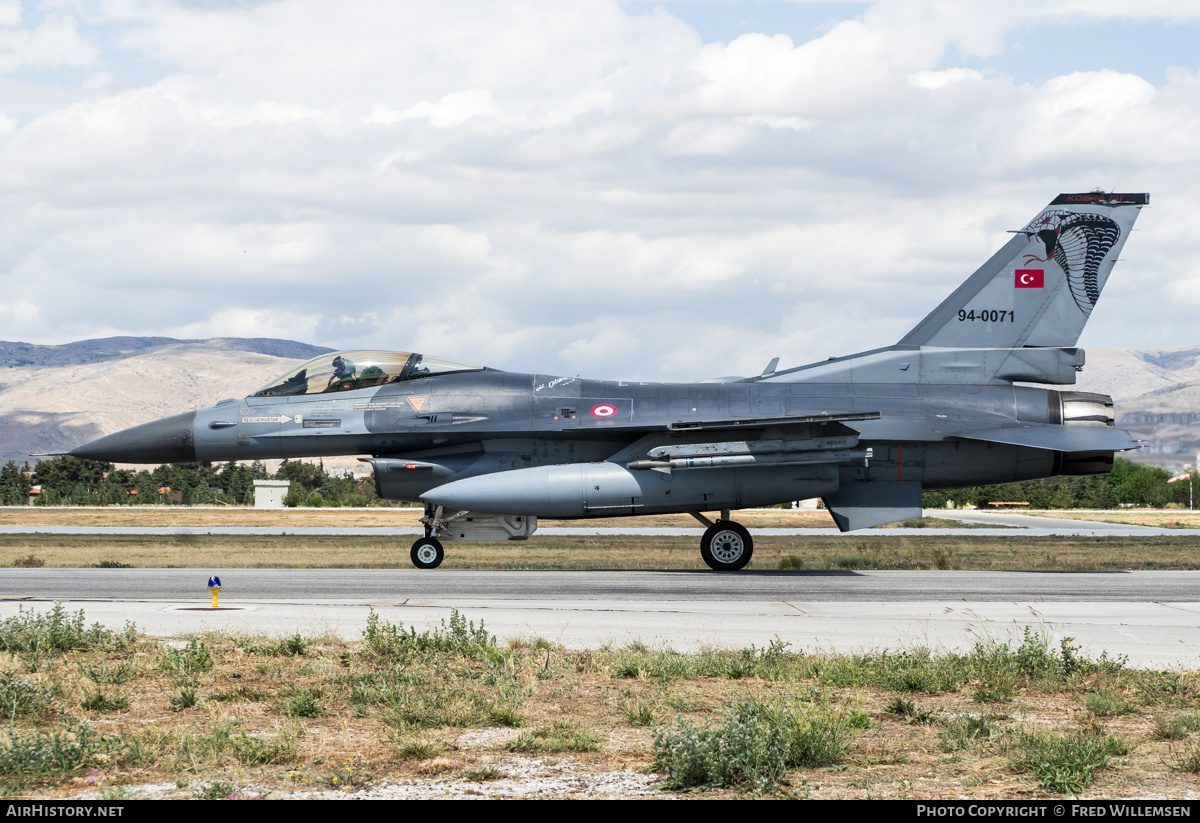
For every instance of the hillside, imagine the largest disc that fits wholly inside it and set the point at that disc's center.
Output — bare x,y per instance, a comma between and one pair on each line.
71,394
1157,396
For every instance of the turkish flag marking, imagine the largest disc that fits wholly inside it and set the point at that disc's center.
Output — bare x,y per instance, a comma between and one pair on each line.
1030,279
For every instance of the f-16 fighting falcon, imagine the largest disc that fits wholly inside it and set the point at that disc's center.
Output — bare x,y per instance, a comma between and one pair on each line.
490,451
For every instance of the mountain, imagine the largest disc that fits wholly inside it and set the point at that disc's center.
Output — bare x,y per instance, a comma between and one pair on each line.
66,395
53,398
1157,396
17,355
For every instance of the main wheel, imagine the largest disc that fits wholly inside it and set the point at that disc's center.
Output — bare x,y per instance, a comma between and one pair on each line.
427,553
726,546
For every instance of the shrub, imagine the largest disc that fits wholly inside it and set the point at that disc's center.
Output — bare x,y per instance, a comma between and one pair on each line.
51,632
558,737
98,701
392,642
31,754
218,790
1066,764
306,704
193,658
20,698
254,751
1185,758
1175,728
1107,704
754,747
965,730
185,699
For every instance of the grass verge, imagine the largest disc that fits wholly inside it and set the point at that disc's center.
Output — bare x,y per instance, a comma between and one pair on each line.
120,715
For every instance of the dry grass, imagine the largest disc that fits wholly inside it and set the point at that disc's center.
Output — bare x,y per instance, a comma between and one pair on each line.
229,516
604,552
277,718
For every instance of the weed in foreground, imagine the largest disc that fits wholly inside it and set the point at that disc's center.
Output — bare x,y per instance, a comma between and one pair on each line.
32,754
306,703
192,659
858,719
420,749
21,698
1175,728
1105,703
52,632
239,694
1185,758
217,790
352,775
256,751
1066,764
115,675
558,737
964,731
184,699
755,746
391,642
638,712
98,701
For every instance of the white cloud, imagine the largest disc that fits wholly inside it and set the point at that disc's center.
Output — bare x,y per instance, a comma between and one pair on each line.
561,187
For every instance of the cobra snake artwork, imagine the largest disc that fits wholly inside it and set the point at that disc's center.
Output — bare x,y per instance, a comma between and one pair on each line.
1078,243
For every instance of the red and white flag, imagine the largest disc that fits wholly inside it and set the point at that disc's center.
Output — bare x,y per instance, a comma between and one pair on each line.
1030,279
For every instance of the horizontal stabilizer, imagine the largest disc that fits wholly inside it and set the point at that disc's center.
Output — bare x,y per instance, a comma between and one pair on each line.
863,505
1059,438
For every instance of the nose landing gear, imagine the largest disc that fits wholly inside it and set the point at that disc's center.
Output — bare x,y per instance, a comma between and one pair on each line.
427,553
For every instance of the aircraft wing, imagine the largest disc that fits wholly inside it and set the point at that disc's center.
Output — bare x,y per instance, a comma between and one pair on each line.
1058,438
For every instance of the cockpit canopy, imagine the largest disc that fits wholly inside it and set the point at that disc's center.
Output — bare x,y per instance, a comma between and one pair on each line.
350,370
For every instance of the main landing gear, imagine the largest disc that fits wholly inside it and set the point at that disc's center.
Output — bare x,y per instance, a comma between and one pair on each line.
726,546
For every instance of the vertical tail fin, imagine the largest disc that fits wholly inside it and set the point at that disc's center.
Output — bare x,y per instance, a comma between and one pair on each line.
1040,288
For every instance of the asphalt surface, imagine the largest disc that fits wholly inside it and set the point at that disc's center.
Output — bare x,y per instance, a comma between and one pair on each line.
397,585
1151,618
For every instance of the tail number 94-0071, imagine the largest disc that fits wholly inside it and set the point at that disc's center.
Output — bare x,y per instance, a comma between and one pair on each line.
987,315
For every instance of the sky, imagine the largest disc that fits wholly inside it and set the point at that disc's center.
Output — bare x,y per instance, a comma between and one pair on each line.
609,188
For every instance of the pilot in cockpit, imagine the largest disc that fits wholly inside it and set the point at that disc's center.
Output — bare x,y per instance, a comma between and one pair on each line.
343,369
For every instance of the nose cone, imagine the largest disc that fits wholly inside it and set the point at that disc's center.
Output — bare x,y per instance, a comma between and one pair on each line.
170,440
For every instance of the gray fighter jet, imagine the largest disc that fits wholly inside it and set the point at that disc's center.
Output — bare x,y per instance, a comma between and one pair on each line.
489,451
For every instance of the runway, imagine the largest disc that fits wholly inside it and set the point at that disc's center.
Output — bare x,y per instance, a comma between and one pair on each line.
1151,617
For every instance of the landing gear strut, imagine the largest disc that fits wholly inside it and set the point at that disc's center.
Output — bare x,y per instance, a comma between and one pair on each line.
726,546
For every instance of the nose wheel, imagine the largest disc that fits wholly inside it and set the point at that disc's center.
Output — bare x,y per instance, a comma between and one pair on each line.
726,546
427,553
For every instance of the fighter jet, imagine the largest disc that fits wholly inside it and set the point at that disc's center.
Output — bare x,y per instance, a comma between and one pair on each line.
490,451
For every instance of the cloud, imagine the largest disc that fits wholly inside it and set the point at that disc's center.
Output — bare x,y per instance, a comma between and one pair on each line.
559,187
